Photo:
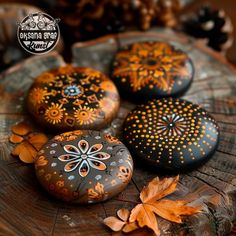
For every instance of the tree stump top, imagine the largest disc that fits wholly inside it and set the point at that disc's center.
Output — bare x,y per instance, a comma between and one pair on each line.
25,209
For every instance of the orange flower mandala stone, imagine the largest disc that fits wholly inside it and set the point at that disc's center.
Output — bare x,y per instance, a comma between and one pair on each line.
171,134
84,166
71,98
152,70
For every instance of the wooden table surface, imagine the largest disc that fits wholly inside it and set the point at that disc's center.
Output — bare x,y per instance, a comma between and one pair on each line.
25,209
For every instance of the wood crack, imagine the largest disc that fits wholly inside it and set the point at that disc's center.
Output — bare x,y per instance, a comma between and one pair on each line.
216,177
228,153
136,186
55,221
216,189
104,209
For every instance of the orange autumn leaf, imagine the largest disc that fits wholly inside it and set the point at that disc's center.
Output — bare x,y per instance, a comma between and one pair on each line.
114,223
25,151
37,140
123,214
157,189
121,222
21,128
14,138
153,204
173,210
145,216
28,143
129,227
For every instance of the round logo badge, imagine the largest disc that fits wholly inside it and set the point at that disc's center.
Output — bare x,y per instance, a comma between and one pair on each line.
38,33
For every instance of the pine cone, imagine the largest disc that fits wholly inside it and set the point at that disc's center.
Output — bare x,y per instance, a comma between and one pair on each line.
211,24
87,19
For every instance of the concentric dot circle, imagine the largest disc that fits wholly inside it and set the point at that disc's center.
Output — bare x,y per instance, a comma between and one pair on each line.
171,133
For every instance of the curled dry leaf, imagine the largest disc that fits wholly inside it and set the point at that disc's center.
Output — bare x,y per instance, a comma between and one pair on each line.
28,143
21,128
114,223
152,204
14,138
121,223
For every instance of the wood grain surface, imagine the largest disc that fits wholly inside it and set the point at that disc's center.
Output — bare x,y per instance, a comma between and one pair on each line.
25,209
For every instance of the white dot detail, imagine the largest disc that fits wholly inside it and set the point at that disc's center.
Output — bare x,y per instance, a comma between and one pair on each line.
71,177
98,177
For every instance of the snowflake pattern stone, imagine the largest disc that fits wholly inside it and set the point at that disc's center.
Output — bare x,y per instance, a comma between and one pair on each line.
152,70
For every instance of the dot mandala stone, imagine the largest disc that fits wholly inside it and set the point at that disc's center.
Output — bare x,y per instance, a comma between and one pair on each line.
71,98
171,134
84,166
152,70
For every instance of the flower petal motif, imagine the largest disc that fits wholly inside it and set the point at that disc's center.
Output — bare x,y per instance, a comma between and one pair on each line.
96,164
66,157
84,157
95,148
83,146
100,156
72,165
71,149
84,169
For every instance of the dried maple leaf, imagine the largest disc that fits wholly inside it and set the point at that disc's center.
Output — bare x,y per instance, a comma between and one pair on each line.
121,223
152,204
28,143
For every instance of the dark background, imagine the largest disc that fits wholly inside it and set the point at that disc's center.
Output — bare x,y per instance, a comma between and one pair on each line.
229,7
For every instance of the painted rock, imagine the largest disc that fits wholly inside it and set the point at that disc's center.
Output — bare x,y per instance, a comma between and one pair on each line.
150,70
72,98
171,134
84,166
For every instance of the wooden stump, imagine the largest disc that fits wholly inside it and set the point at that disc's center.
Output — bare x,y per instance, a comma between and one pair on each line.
25,209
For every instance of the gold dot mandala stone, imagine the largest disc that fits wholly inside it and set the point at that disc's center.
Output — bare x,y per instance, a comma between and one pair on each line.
84,166
171,133
152,70
71,98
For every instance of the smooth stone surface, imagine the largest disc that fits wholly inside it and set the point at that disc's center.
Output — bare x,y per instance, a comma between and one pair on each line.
150,70
72,98
84,166
171,134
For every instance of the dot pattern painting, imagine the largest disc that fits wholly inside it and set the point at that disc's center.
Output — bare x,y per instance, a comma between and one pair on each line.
171,133
84,166
73,98
152,70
